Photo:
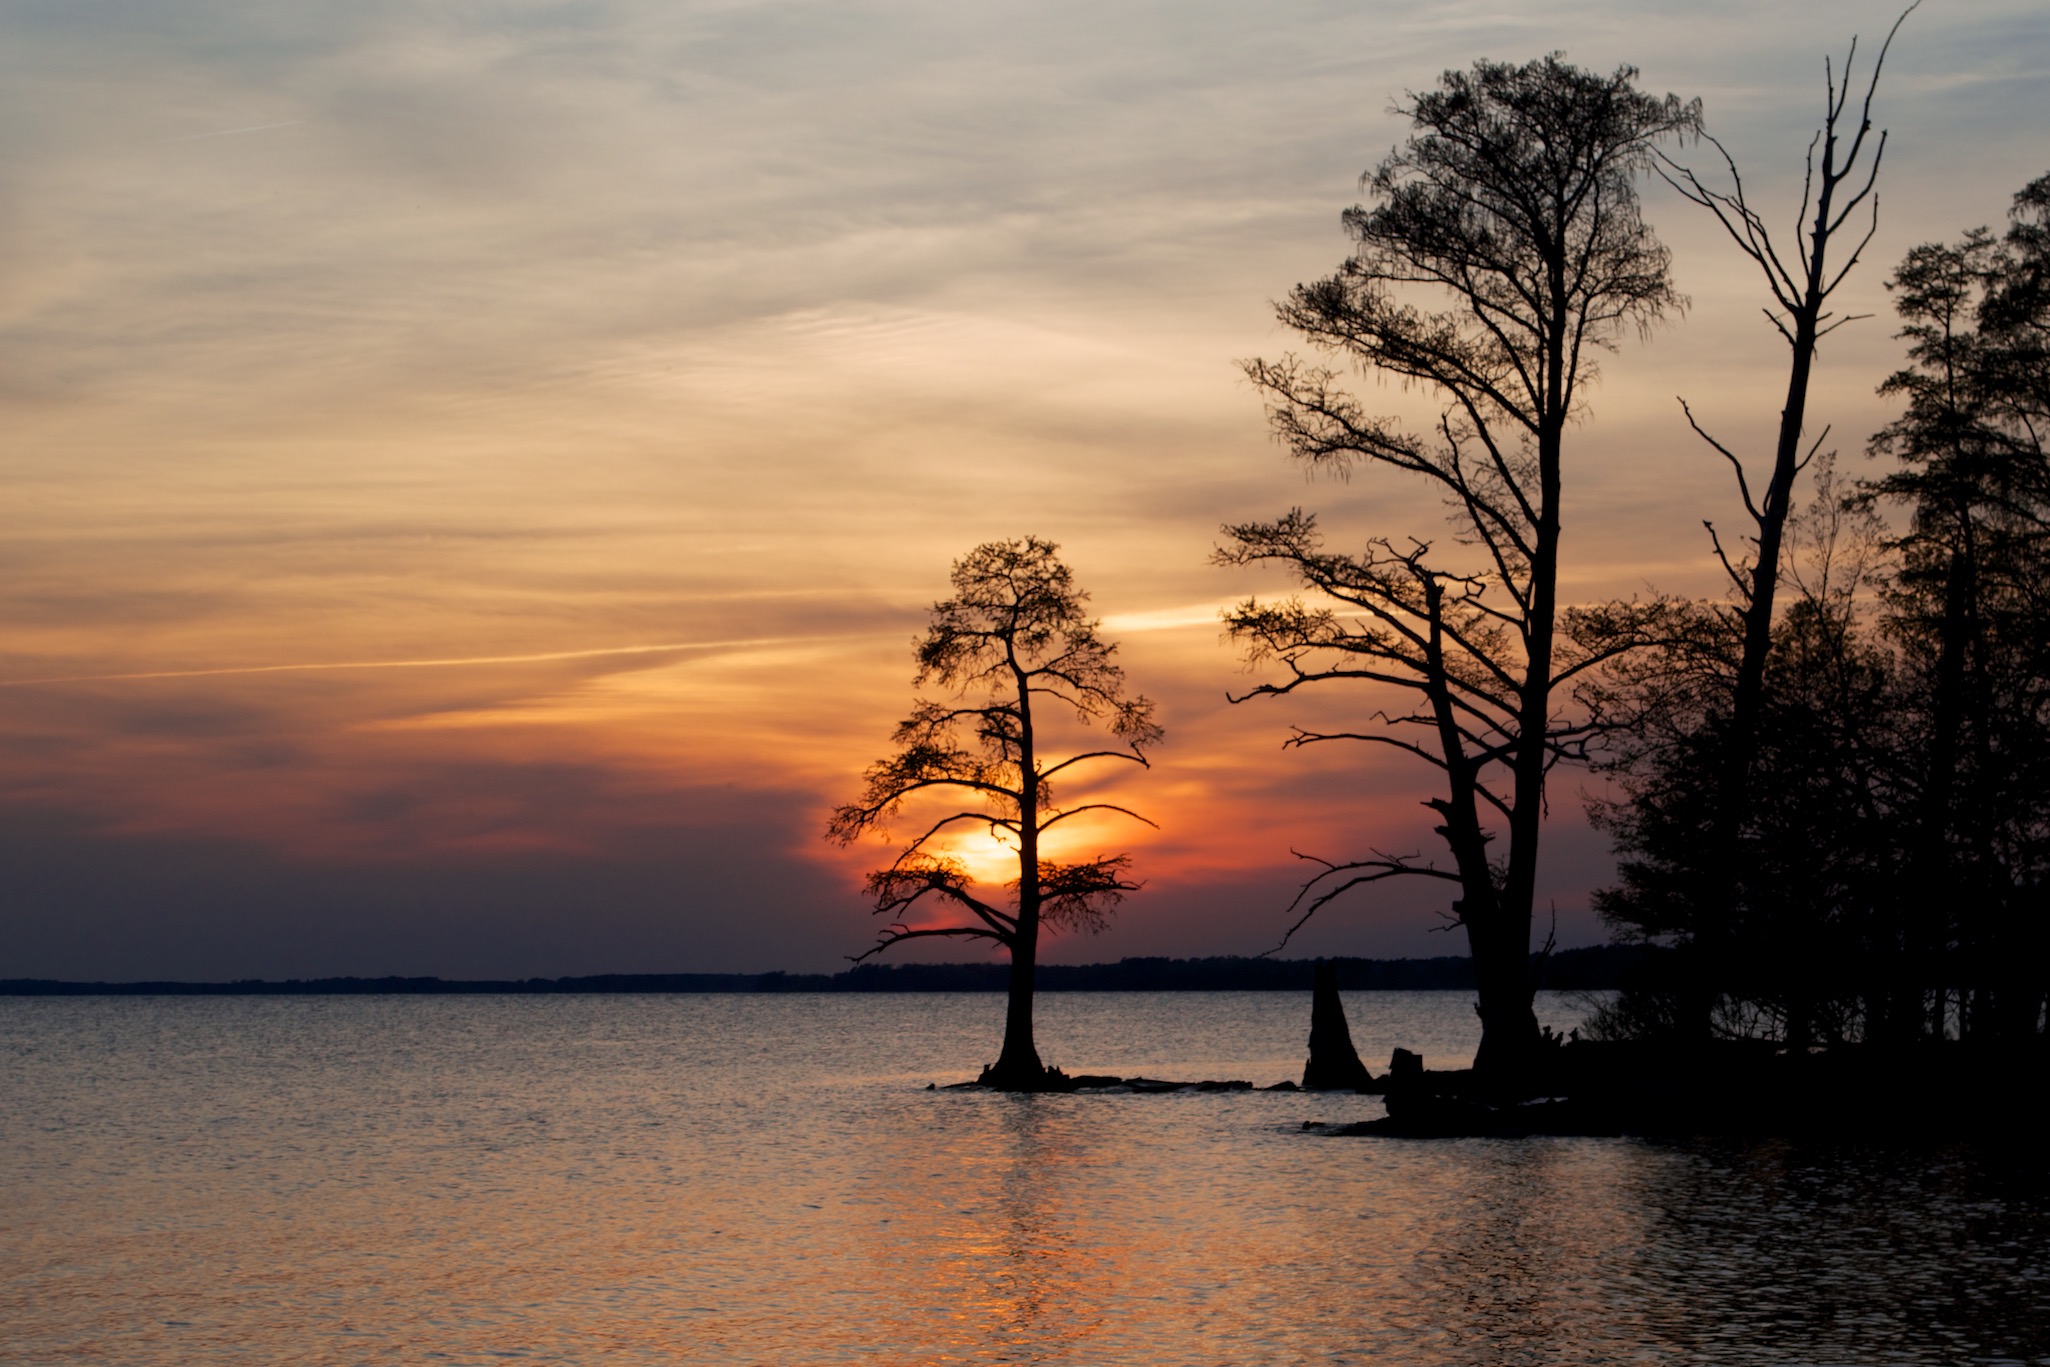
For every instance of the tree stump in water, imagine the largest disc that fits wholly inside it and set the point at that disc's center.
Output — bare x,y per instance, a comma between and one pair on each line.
1334,1065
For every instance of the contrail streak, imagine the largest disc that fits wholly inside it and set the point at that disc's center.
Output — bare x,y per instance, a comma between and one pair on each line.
438,663
231,132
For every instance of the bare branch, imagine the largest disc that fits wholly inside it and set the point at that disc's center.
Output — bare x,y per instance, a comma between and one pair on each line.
897,935
1743,484
1378,869
1053,821
1130,756
1741,581
1813,449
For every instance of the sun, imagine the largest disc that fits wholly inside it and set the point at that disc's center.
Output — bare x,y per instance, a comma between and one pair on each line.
990,856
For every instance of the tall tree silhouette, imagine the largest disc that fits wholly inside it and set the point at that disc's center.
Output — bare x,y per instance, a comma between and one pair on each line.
1010,645
1516,196
1971,610
1838,193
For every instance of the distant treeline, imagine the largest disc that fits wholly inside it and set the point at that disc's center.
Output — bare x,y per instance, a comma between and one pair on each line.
1603,966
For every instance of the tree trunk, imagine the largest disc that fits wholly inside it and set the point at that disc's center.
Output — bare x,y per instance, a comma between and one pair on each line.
1500,942
1509,1029
1934,874
1497,939
1018,1068
1712,938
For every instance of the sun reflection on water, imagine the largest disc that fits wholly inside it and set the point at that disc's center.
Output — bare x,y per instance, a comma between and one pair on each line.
993,1222
732,1182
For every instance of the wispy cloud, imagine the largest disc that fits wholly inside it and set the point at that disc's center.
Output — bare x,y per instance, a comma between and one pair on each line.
437,662
232,132
718,330
1171,619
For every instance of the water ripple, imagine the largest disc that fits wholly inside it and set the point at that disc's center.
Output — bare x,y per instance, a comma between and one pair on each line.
765,1180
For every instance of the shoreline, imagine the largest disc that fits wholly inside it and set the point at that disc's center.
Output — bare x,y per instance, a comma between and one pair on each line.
1596,968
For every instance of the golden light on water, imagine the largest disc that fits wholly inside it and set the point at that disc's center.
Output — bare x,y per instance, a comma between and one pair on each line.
764,1177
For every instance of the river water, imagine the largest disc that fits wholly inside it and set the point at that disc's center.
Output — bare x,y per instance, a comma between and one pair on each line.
765,1179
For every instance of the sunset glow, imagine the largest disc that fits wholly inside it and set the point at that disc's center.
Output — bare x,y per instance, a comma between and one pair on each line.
474,475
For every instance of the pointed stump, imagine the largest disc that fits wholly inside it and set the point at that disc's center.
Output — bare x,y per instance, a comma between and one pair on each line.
1334,1065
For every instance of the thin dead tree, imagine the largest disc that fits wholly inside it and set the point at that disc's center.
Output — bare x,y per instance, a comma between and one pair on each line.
1839,192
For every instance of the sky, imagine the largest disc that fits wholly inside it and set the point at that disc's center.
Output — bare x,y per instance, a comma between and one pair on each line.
474,469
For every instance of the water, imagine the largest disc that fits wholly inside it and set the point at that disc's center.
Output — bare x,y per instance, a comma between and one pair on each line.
739,1179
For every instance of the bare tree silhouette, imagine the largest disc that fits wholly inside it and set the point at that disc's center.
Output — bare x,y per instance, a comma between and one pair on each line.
1012,640
1839,192
1516,196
